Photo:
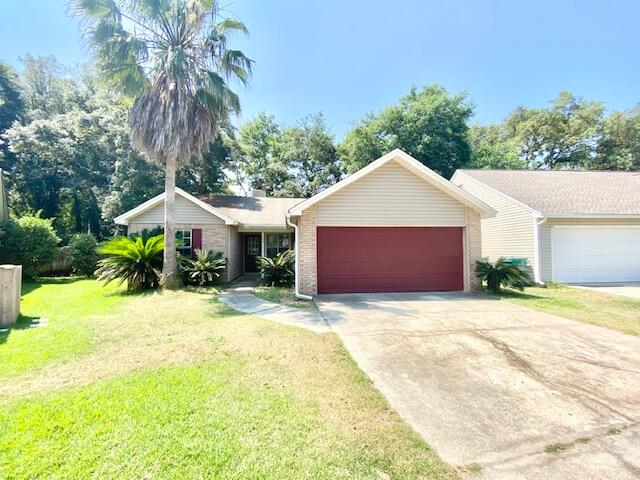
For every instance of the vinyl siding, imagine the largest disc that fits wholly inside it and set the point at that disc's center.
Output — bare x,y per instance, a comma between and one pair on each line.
510,233
235,254
546,250
390,195
186,212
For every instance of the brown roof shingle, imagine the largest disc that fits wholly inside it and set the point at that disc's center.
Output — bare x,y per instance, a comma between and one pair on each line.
253,211
568,192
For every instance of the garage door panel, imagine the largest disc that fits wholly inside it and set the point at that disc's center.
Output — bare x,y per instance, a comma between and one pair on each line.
389,259
596,254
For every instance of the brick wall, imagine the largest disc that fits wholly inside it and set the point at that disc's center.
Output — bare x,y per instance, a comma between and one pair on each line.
214,237
307,251
474,247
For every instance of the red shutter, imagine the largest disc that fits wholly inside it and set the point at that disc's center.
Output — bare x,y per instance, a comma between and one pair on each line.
196,238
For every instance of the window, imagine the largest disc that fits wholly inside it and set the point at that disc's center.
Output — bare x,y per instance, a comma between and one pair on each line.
277,243
183,239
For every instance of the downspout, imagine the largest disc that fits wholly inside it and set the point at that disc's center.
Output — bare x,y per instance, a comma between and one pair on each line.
299,295
536,240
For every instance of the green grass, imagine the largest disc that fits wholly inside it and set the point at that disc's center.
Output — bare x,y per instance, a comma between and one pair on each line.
175,385
66,304
610,311
557,447
283,296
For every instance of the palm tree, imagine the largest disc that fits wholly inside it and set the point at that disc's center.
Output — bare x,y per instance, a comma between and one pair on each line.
171,58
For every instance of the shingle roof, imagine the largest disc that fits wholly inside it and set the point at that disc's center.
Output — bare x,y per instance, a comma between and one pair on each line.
253,211
568,192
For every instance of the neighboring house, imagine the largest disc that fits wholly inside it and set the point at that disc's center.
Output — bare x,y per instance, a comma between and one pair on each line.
572,226
393,226
4,206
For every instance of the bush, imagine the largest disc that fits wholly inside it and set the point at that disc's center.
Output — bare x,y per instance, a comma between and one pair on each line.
279,270
83,254
146,233
503,274
29,241
204,268
136,262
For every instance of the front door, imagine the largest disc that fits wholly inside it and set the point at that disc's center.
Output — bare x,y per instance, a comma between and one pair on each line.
252,249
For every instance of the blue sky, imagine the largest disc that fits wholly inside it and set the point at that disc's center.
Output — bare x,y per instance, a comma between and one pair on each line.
346,58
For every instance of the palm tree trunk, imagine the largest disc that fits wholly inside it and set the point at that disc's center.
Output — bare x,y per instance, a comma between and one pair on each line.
170,276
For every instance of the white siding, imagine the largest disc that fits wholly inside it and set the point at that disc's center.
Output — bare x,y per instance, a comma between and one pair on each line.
235,254
391,195
508,234
186,212
546,251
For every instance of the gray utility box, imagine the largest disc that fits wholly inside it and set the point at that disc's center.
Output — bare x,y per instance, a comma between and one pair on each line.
10,290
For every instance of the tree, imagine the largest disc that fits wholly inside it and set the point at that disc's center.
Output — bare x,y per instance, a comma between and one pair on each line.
564,135
491,147
172,59
259,141
310,155
428,124
619,147
11,107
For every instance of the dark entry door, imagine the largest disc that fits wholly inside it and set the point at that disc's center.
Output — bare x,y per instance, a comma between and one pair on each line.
252,249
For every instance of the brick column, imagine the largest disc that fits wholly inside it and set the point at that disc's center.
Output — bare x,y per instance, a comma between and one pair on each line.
307,251
473,246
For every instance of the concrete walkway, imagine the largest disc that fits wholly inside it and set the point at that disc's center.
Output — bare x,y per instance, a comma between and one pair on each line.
239,297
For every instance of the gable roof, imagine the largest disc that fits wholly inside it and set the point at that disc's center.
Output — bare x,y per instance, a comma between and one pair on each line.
567,193
158,199
411,164
253,211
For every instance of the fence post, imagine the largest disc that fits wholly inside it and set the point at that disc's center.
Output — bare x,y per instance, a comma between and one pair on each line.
10,289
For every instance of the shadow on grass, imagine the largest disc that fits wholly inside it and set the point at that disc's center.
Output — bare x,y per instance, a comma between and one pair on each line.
513,294
23,322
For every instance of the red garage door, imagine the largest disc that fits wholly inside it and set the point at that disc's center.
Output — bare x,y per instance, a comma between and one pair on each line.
389,259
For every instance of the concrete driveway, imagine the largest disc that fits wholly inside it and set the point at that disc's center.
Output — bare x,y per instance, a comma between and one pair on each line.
489,382
630,290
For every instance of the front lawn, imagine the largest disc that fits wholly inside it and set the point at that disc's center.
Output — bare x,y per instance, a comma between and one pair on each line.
283,296
615,312
175,385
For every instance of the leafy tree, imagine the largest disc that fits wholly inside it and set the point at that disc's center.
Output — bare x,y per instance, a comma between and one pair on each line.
428,124
310,155
29,241
619,147
83,254
564,135
47,88
491,147
172,58
11,102
207,176
260,141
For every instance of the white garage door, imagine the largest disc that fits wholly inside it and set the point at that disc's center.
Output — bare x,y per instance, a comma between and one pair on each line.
596,254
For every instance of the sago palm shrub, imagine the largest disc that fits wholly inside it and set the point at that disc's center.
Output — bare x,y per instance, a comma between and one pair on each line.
279,270
204,268
135,261
503,274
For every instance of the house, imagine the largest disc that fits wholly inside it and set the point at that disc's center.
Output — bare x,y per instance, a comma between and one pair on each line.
4,205
572,226
242,228
393,226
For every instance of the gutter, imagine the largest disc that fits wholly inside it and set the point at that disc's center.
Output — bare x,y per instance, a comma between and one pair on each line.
536,240
299,295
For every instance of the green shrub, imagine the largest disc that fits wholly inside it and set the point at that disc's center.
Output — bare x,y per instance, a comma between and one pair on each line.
204,267
136,262
279,270
83,254
29,241
503,274
146,233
